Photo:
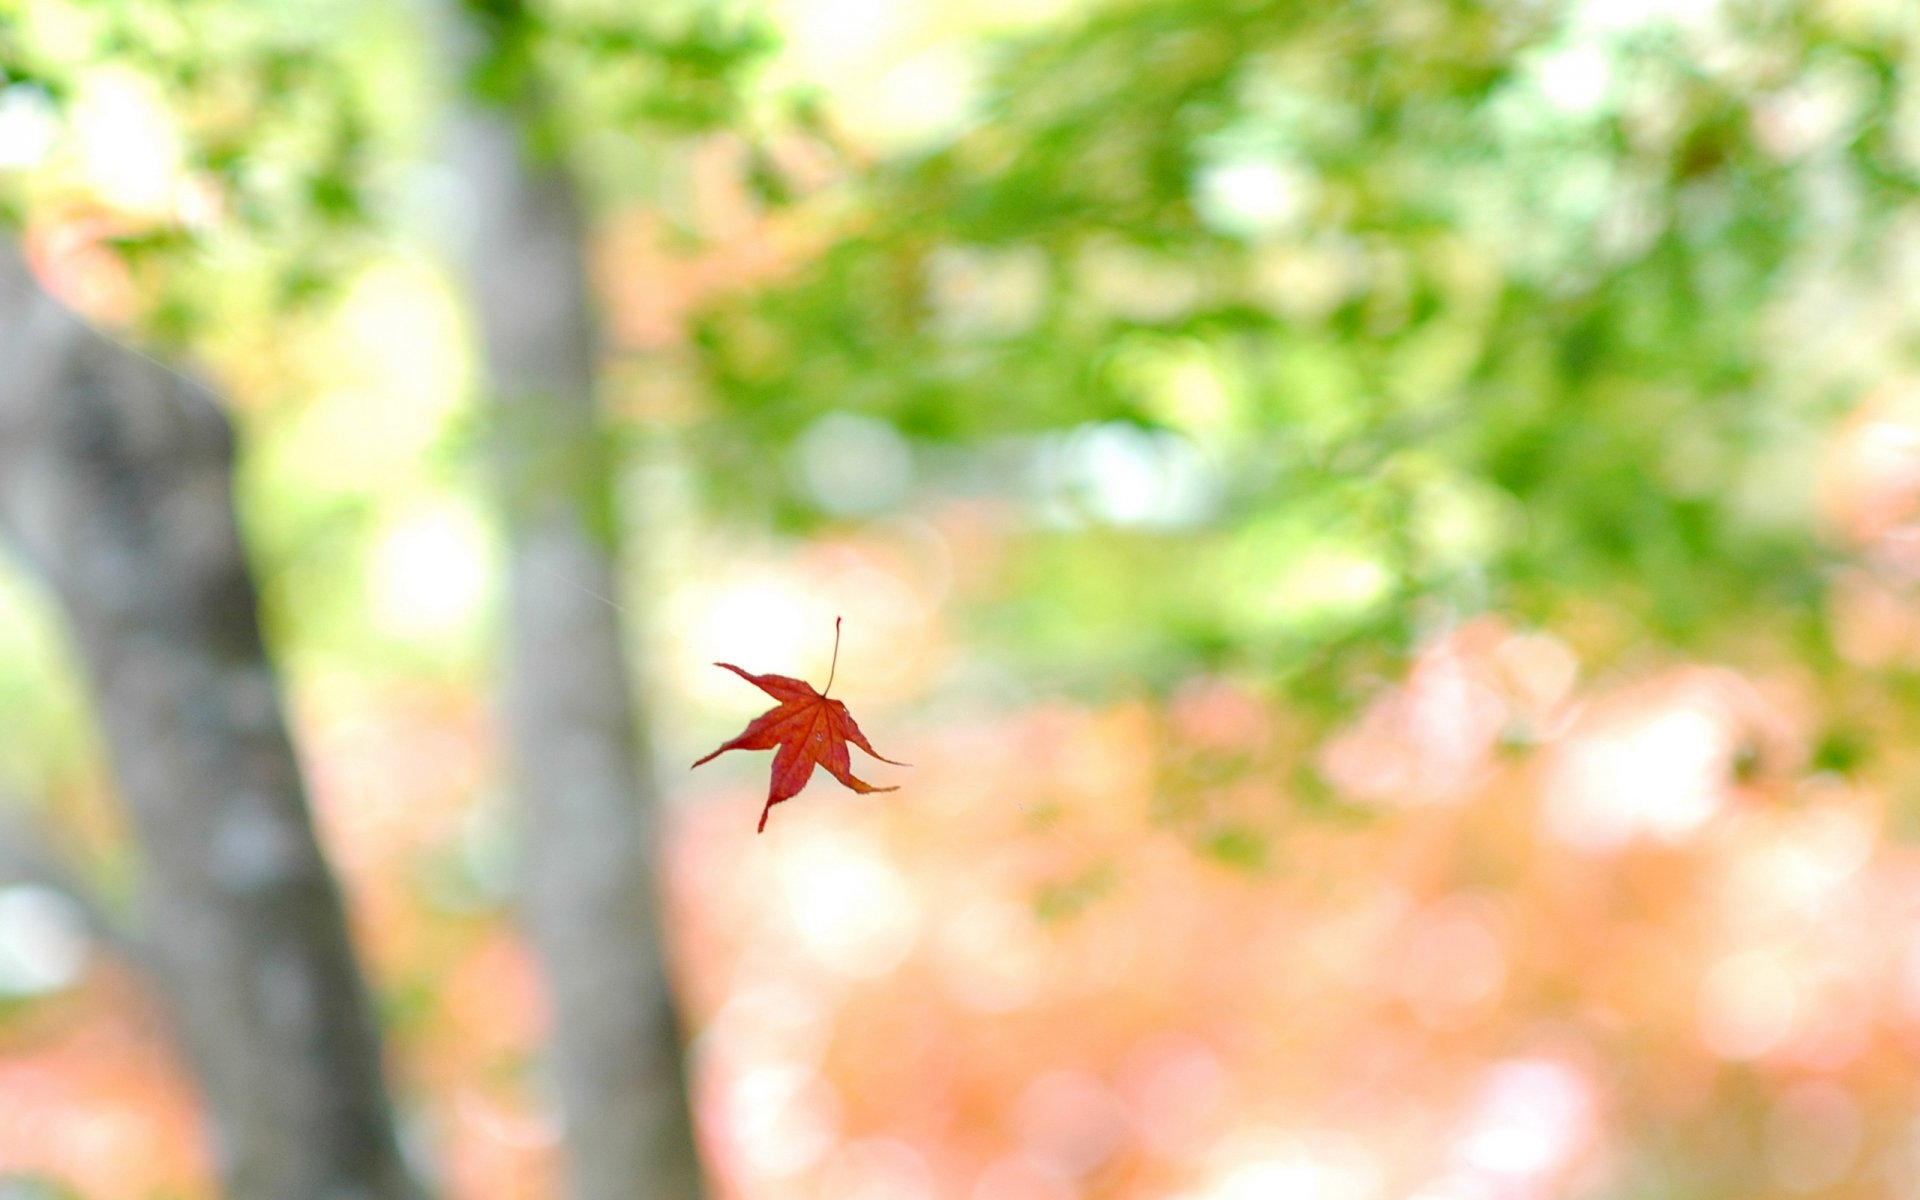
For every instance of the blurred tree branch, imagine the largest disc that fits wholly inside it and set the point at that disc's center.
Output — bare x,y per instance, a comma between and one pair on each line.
116,477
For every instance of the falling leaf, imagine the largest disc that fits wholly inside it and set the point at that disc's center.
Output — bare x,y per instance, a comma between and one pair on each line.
808,728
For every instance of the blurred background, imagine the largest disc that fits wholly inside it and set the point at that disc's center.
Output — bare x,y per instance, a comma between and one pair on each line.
1389,532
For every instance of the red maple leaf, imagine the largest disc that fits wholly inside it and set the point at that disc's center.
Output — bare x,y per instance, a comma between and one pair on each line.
808,728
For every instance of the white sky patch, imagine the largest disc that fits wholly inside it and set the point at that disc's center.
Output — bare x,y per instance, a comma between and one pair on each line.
431,571
43,941
128,145
29,126
928,96
896,73
758,625
1628,15
1251,198
834,35
1576,80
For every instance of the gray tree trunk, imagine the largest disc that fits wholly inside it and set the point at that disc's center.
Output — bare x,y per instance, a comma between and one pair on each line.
116,483
579,767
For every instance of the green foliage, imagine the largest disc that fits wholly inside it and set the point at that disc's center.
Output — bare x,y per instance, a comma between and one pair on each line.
1239,848
299,123
1291,331
1453,306
282,128
678,69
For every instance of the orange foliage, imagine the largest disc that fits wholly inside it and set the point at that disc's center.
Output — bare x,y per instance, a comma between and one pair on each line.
1549,936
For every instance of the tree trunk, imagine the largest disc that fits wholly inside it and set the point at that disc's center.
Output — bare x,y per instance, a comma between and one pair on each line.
116,483
579,765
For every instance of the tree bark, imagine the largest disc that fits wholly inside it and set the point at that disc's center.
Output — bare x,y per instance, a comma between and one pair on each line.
579,764
116,483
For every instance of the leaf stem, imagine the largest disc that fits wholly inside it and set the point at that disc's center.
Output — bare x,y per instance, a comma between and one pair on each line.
836,659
